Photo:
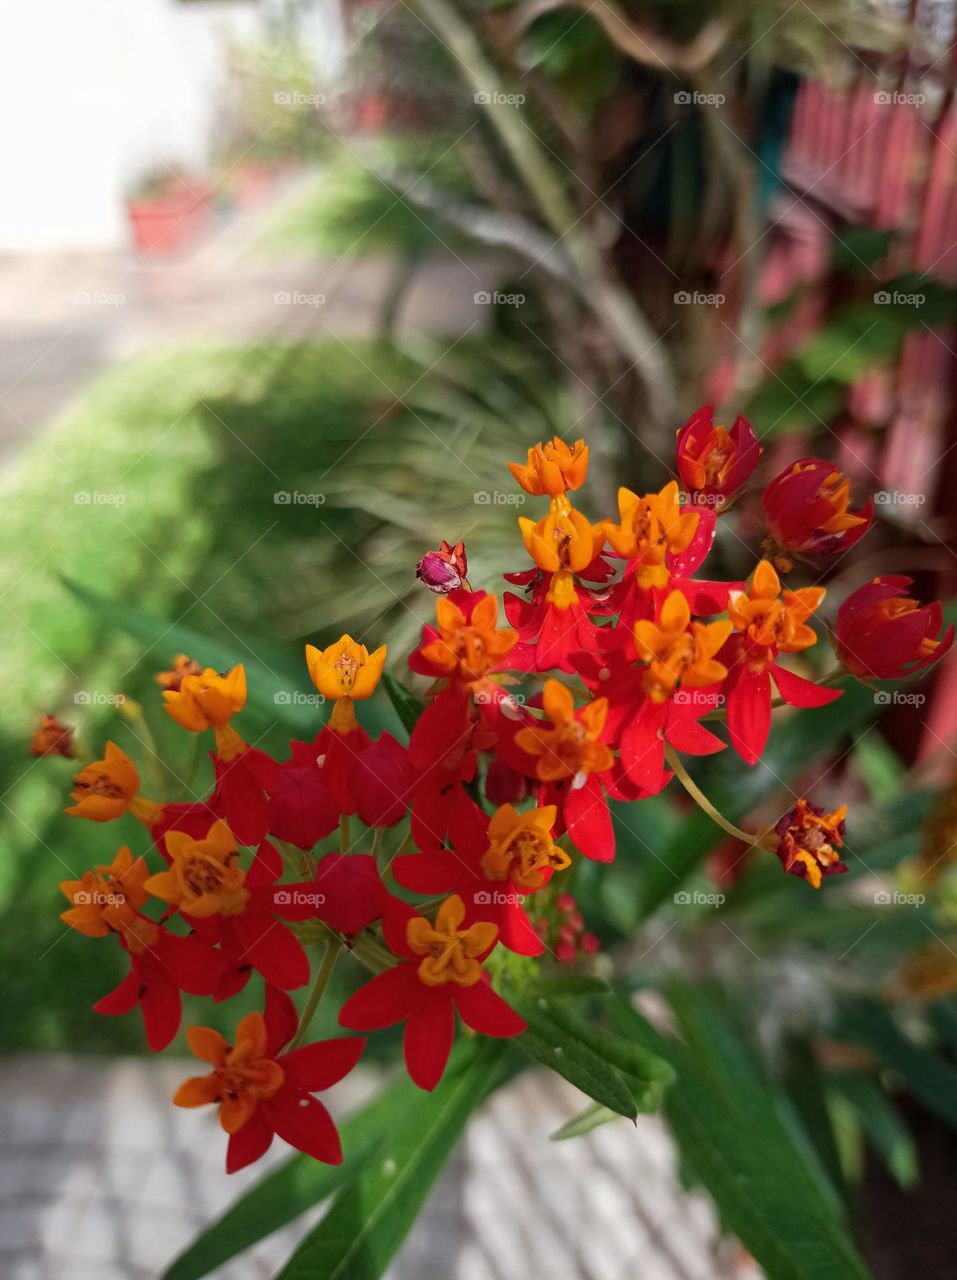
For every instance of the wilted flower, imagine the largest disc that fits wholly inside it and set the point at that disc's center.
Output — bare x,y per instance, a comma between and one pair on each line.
52,738
443,570
809,839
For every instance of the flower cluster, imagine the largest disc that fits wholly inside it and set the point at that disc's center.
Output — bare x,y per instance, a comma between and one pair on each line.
624,654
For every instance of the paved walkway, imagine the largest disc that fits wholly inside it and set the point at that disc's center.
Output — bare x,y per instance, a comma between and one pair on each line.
102,1179
64,318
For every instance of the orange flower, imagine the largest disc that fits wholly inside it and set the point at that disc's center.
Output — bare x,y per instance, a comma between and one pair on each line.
209,701
343,672
677,649
451,953
52,738
468,646
105,901
182,666
107,788
651,528
552,468
562,543
242,1075
573,743
204,877
521,847
772,619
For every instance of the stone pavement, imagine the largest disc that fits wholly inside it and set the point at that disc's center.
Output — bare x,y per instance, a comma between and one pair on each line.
102,1179
64,318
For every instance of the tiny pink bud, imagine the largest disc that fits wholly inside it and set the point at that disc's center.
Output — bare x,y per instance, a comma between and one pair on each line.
443,570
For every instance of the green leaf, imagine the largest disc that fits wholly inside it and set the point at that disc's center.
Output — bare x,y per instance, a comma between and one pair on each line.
566,1053
371,1215
929,1077
577,984
407,706
885,1129
732,1135
592,1116
294,1187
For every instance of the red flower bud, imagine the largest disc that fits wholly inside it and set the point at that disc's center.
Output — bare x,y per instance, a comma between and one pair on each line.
714,463
807,509
443,570
882,634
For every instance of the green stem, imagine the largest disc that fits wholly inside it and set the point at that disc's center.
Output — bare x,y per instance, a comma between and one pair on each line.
377,840
702,801
344,841
333,947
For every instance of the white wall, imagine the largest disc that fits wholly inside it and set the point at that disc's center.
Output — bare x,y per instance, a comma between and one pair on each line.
95,92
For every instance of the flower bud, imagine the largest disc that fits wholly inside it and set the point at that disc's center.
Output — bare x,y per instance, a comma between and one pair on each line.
882,634
443,570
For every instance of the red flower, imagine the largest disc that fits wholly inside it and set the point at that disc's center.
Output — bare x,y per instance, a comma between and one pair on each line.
302,809
807,509
714,463
440,970
882,634
493,865
261,1091
466,643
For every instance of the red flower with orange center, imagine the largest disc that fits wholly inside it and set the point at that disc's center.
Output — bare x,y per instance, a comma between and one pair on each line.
466,643
714,463
808,512
676,649
650,529
572,744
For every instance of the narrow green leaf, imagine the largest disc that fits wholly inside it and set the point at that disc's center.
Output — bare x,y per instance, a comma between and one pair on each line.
562,1047
883,1126
371,1215
592,1116
294,1187
733,1139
